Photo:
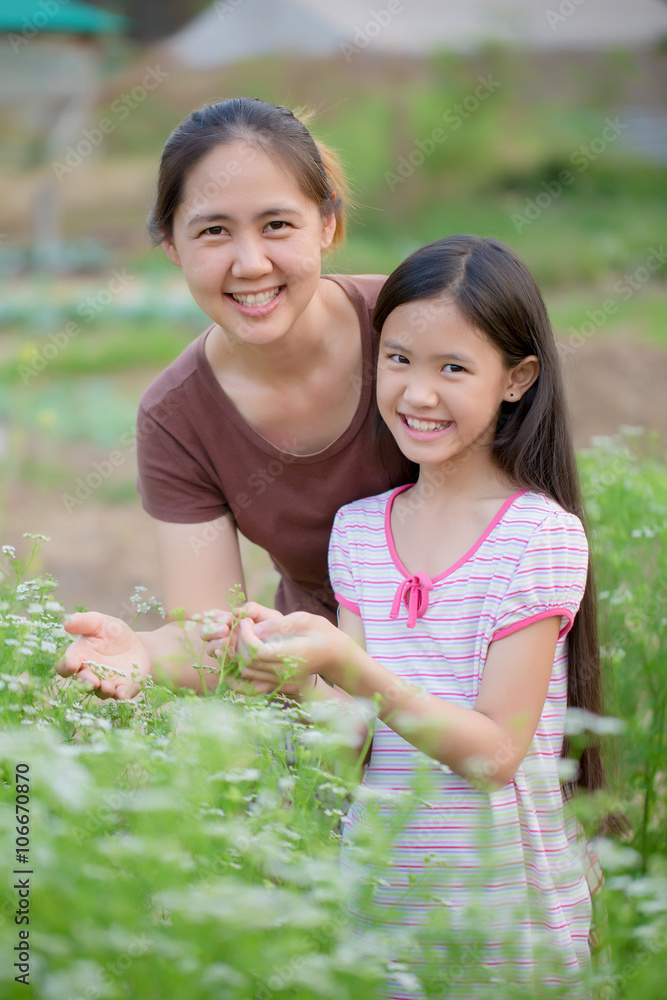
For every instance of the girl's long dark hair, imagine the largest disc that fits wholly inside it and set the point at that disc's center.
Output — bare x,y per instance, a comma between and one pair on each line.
496,293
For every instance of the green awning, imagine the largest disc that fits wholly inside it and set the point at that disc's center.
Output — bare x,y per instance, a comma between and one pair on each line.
58,16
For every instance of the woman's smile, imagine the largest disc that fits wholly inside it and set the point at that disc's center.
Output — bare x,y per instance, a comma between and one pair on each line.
259,303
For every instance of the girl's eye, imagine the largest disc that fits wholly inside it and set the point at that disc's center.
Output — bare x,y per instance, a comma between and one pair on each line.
213,231
453,368
399,358
277,225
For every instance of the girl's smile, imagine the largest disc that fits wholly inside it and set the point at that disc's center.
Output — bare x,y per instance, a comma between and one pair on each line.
424,430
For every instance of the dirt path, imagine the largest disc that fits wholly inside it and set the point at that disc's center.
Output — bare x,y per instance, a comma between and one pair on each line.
100,551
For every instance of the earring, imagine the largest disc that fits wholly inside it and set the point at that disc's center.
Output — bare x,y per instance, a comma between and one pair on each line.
511,394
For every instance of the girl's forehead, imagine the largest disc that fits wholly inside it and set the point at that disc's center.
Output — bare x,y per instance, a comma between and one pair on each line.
432,326
429,316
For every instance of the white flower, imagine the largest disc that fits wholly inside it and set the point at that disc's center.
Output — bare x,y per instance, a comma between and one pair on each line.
9,550
35,608
36,537
47,646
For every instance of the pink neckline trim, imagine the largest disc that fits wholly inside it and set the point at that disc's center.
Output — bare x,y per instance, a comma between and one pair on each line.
464,558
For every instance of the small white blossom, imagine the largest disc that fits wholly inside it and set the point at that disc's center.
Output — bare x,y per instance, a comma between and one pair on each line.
36,537
9,550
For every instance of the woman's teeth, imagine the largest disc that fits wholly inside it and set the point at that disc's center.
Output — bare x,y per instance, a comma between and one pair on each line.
426,425
258,298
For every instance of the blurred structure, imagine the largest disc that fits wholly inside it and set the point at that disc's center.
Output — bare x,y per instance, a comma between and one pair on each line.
231,30
49,78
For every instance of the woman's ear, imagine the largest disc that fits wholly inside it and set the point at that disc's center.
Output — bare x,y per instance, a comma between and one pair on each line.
521,378
169,248
328,230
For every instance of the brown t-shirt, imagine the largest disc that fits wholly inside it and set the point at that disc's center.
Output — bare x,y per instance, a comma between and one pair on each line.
199,459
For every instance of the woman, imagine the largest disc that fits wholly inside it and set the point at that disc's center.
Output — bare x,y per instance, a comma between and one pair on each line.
266,421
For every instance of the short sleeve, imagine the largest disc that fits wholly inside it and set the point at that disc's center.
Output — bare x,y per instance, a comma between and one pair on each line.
550,577
340,565
174,486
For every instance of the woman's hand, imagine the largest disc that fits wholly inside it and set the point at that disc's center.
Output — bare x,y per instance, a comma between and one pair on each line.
110,642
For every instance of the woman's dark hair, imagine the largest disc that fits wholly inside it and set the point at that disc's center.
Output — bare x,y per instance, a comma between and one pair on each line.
274,129
496,293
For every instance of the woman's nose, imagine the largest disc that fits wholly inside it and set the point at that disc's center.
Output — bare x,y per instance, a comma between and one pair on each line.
250,260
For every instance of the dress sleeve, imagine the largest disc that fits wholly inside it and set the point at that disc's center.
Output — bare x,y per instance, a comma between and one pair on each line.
340,565
549,579
173,484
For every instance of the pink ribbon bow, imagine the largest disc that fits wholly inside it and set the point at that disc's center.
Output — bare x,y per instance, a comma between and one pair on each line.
413,592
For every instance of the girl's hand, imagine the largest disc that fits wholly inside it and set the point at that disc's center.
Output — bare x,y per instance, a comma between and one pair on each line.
110,643
309,643
217,634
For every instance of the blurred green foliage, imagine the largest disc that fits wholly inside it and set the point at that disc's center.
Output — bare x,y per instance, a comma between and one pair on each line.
188,846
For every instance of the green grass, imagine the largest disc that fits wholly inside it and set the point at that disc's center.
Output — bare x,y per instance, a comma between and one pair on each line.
193,842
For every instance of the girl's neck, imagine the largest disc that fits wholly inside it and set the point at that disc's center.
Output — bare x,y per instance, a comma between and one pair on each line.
464,480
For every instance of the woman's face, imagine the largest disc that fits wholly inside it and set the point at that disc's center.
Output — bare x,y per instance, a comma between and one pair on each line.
249,242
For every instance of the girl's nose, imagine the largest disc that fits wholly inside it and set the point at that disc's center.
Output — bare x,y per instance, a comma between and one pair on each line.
250,260
420,392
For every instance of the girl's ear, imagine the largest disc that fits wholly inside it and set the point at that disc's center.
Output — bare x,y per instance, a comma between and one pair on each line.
521,378
169,248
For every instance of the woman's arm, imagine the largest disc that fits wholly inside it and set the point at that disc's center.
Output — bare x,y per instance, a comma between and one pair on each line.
199,566
488,740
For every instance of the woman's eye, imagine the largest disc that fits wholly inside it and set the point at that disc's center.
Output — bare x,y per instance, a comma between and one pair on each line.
453,368
277,225
212,231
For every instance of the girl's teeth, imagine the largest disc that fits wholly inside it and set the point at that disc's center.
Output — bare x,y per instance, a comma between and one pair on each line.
426,425
259,299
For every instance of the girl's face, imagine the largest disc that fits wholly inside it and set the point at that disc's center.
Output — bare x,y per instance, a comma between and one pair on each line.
249,242
441,382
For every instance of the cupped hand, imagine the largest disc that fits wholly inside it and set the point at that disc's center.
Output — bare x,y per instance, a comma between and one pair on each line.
102,639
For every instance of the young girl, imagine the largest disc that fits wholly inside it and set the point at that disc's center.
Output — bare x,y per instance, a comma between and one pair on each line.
471,593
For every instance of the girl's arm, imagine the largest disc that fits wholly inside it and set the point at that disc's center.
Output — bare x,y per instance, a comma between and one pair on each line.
488,740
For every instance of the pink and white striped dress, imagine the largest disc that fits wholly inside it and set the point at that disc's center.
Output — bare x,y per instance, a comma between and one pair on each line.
508,860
